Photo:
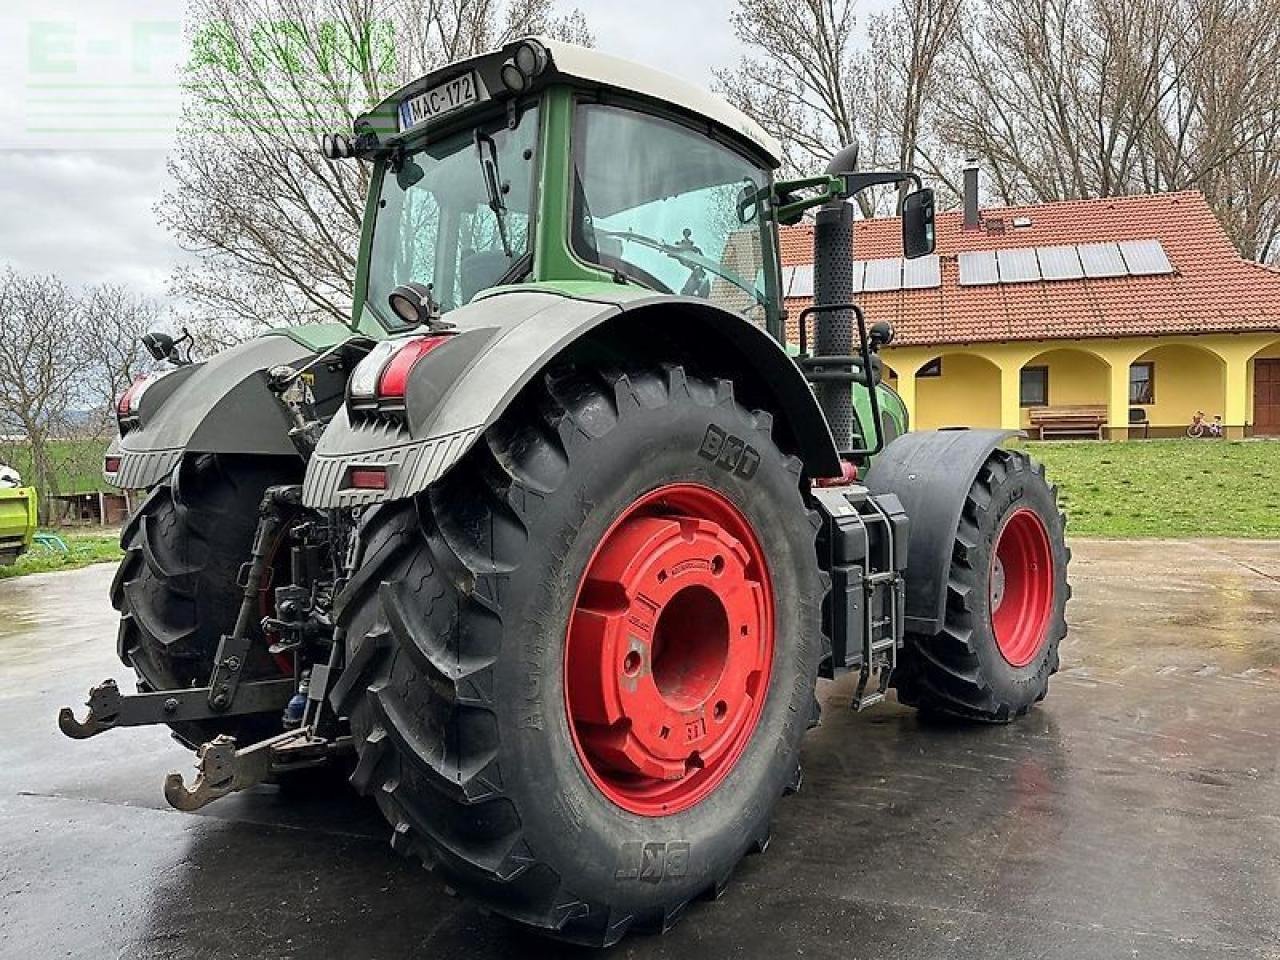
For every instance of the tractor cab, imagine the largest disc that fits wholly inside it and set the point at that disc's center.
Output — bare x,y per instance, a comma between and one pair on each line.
554,167
550,163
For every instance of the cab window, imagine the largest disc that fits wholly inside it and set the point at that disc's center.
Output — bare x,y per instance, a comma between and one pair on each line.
667,207
456,213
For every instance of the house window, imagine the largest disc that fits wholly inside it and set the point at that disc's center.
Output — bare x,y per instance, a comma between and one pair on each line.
931,369
1142,383
1034,388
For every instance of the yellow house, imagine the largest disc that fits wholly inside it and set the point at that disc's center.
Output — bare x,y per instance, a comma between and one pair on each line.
1122,317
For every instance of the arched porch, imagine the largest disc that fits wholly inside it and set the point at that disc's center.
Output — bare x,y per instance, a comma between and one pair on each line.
1237,376
957,389
1064,378
1173,381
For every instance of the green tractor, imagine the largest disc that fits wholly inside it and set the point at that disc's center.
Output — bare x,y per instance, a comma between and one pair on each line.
553,543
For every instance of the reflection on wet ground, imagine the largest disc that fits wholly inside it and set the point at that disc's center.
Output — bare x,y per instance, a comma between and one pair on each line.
1134,814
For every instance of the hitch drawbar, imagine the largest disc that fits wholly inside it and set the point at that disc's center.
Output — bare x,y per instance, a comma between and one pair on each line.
109,708
221,766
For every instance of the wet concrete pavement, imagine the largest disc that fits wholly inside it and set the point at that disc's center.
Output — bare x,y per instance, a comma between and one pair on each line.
1135,814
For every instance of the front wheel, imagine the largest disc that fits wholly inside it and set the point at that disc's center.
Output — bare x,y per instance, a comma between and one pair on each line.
582,663
1195,431
1006,600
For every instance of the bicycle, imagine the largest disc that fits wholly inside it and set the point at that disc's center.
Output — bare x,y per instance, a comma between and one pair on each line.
1200,427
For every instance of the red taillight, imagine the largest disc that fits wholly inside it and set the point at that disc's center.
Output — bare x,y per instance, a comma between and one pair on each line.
131,399
126,399
367,478
395,375
384,373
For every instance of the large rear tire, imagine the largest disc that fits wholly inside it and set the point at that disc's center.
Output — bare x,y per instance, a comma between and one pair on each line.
176,586
556,580
1006,601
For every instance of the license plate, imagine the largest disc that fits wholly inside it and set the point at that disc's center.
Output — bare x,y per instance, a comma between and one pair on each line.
449,96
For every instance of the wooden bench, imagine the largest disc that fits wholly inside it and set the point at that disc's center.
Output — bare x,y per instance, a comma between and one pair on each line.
1069,421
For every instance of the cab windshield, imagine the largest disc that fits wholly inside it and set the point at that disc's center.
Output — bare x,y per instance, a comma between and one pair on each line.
456,214
665,206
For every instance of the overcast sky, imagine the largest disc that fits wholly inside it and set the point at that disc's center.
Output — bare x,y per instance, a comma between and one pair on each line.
80,204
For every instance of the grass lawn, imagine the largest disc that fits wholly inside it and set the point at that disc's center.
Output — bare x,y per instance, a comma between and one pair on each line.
1151,488
84,547
77,464
1166,488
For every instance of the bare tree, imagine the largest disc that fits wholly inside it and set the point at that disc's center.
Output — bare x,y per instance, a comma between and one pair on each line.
40,374
802,80
275,225
909,42
1071,99
815,84
112,320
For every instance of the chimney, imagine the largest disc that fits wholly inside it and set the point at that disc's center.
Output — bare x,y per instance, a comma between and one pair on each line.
971,218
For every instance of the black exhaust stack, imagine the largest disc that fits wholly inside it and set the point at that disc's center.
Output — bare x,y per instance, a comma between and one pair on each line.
833,284
972,218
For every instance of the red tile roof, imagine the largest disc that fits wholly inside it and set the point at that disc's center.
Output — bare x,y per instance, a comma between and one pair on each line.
1212,289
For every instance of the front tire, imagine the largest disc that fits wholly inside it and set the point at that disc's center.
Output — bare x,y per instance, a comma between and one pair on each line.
1006,601
477,690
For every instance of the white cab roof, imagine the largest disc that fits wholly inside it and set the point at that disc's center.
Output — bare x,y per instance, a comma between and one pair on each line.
592,66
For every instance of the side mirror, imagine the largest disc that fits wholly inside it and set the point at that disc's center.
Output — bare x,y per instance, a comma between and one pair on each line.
917,224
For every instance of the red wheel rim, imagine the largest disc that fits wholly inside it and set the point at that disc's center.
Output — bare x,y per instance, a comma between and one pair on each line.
1021,587
669,650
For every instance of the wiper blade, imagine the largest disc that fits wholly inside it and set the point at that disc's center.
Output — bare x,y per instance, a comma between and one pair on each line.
688,257
493,187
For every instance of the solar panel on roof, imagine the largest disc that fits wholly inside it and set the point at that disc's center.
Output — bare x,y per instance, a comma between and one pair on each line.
1102,260
1018,265
978,266
801,281
859,270
883,274
1145,257
1012,265
1059,263
921,273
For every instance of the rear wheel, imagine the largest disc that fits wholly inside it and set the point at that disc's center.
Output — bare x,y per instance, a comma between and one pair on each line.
581,665
1006,599
176,586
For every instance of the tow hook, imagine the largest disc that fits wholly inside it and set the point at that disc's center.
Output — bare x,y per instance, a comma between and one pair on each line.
109,708
222,769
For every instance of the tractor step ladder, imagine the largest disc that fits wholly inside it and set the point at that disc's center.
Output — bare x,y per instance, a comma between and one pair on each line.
865,554
882,633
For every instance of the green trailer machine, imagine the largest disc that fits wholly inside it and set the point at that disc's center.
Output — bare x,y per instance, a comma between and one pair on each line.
553,542
17,522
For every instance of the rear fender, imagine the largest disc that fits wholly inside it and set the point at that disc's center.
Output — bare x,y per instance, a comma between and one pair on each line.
931,473
506,339
220,406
